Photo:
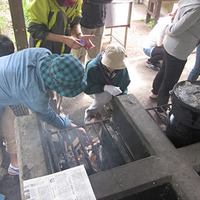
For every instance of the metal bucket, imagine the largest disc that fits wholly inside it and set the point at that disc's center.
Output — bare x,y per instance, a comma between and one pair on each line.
183,121
180,134
186,103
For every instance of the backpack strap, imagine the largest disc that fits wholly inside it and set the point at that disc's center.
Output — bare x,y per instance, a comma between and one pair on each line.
107,80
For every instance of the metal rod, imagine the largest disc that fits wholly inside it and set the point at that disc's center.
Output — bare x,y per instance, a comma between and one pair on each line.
55,157
94,147
73,149
86,155
63,149
104,143
162,116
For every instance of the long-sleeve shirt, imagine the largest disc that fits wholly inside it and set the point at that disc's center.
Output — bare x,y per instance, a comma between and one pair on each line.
184,34
46,16
97,78
21,83
157,34
94,15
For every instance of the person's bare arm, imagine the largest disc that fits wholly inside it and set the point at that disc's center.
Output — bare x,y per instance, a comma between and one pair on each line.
88,43
68,40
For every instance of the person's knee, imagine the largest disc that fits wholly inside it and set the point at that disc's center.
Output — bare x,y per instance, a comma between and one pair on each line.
102,99
8,130
106,97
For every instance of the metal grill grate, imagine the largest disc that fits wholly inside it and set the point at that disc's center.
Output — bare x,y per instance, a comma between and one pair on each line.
104,150
160,117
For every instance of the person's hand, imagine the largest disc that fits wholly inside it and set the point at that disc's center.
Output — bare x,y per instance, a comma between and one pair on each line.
113,90
72,42
88,42
173,15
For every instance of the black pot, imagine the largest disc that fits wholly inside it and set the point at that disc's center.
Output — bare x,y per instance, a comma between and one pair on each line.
182,110
179,134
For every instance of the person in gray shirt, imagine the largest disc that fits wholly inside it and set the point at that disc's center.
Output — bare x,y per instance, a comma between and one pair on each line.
182,36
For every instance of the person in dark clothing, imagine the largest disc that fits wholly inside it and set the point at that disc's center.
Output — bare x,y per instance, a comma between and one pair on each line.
6,45
153,46
92,23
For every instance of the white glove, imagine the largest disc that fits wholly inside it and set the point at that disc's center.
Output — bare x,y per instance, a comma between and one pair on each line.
113,90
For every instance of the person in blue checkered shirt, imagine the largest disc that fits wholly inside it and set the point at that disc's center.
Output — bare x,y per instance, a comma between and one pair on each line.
26,77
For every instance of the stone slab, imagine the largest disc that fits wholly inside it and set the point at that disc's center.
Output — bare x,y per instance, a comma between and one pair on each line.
165,163
30,152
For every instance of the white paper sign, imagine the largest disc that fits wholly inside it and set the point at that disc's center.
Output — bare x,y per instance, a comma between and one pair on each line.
70,184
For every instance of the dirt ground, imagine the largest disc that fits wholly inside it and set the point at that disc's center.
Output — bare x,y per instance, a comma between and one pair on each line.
141,76
9,186
76,106
140,86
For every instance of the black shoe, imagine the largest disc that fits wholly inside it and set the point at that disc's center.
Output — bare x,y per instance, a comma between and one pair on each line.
151,66
158,64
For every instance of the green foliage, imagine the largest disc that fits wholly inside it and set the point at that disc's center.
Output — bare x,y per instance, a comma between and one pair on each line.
2,23
26,16
151,23
6,21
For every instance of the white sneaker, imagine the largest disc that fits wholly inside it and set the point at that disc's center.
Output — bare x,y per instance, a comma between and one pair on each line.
13,170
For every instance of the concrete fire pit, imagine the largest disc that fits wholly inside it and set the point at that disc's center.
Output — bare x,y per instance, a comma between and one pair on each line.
160,171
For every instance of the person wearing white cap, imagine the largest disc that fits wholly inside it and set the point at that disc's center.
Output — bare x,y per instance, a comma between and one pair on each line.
106,76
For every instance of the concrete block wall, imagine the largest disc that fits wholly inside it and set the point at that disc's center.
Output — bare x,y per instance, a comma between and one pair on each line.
164,165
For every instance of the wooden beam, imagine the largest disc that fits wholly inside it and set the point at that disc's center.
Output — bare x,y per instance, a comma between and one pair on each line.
17,14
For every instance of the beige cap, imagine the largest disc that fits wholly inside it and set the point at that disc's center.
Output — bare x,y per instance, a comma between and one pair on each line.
115,56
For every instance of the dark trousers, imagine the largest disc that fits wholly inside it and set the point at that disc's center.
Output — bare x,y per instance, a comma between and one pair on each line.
156,55
167,77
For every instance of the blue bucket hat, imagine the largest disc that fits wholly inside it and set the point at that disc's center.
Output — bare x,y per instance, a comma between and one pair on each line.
63,74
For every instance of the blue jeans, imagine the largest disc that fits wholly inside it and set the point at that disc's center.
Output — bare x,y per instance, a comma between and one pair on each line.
195,72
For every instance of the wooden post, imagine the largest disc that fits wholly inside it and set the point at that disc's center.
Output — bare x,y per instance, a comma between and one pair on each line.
19,26
153,10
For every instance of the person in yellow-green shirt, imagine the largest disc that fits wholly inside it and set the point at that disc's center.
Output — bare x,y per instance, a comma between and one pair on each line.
51,23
